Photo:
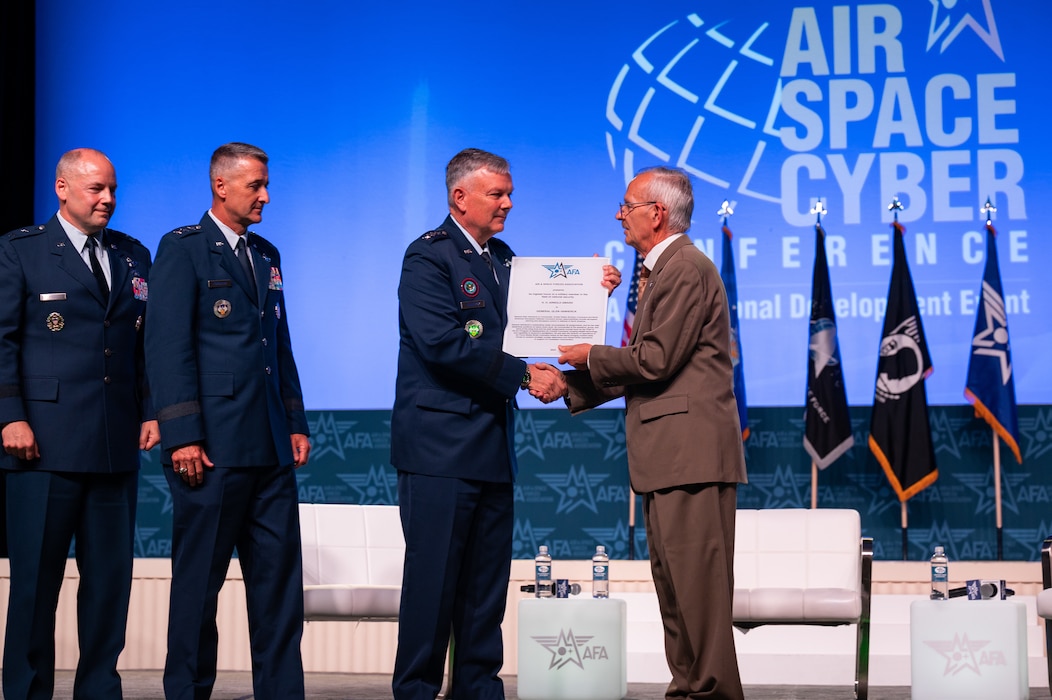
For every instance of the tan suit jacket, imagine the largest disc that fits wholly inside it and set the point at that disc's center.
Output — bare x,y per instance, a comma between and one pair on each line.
682,423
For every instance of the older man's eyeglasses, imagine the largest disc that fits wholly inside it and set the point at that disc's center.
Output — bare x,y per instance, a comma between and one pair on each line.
624,208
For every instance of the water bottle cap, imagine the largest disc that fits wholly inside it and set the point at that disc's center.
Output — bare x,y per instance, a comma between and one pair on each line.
600,549
939,549
543,549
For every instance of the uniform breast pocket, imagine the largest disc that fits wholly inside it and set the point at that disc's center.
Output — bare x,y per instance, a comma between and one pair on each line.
40,388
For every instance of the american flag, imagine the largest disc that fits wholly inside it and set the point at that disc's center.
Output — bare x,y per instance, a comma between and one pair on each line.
633,299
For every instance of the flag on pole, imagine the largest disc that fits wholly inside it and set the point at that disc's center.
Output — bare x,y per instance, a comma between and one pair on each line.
633,300
991,387
730,284
827,422
900,436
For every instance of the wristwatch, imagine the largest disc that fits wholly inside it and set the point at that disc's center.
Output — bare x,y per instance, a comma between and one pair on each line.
526,379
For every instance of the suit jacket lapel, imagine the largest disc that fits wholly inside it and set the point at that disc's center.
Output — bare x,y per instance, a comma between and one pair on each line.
478,266
69,260
643,314
217,245
120,269
261,269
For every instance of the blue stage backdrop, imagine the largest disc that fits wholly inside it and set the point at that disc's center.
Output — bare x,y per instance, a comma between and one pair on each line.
769,104
572,492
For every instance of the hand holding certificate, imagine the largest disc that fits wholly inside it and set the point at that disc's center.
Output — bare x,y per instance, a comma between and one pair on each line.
555,301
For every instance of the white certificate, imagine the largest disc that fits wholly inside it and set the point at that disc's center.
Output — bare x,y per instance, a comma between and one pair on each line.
555,301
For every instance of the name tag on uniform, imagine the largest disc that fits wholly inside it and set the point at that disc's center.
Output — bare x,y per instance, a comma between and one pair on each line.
216,284
477,304
53,296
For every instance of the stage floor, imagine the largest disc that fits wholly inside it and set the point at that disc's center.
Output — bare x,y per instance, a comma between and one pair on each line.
237,685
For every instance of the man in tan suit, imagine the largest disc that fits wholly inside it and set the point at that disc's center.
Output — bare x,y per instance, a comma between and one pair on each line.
684,441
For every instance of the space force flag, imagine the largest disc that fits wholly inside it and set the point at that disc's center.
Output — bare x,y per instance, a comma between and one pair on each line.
730,284
827,422
899,434
991,387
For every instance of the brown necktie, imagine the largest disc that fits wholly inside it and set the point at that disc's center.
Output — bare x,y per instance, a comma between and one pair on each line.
644,277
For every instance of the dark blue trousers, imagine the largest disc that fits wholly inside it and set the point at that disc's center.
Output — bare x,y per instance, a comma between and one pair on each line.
457,565
255,510
45,512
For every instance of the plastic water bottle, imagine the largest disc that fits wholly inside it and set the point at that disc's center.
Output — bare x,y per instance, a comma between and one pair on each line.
542,566
600,573
940,582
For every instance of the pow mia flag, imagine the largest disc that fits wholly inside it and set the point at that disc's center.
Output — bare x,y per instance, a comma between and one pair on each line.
899,434
827,422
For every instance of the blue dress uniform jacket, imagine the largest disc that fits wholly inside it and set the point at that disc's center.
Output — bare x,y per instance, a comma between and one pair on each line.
222,354
452,442
455,390
71,365
69,359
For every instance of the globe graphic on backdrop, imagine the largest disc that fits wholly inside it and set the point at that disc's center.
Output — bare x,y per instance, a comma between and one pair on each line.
703,95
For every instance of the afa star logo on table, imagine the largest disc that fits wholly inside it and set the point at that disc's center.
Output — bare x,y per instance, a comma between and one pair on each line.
962,654
569,648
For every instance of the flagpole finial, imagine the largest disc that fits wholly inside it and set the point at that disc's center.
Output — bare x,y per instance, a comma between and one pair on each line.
818,209
896,207
725,211
988,209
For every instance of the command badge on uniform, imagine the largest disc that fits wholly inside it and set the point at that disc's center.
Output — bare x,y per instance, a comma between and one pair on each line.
138,323
221,308
140,288
275,279
474,328
469,287
277,311
55,322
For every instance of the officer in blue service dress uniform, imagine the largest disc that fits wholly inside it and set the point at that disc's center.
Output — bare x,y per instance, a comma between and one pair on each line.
233,428
75,412
452,437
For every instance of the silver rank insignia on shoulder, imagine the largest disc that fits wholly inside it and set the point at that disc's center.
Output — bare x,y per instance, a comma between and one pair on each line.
221,308
474,328
55,322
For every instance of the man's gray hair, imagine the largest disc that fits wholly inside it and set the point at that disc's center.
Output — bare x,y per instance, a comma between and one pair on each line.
227,155
468,161
671,187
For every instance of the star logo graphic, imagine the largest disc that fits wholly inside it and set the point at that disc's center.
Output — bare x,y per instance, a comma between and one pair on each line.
574,488
1038,433
823,344
326,435
992,341
142,536
876,486
374,487
959,654
947,13
926,538
944,431
1026,537
982,484
615,539
529,432
161,484
565,648
782,488
559,270
613,431
525,538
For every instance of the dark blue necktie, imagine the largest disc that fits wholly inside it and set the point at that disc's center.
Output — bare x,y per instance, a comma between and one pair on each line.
246,266
96,269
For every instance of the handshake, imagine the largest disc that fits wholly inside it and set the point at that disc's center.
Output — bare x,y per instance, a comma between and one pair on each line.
547,382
